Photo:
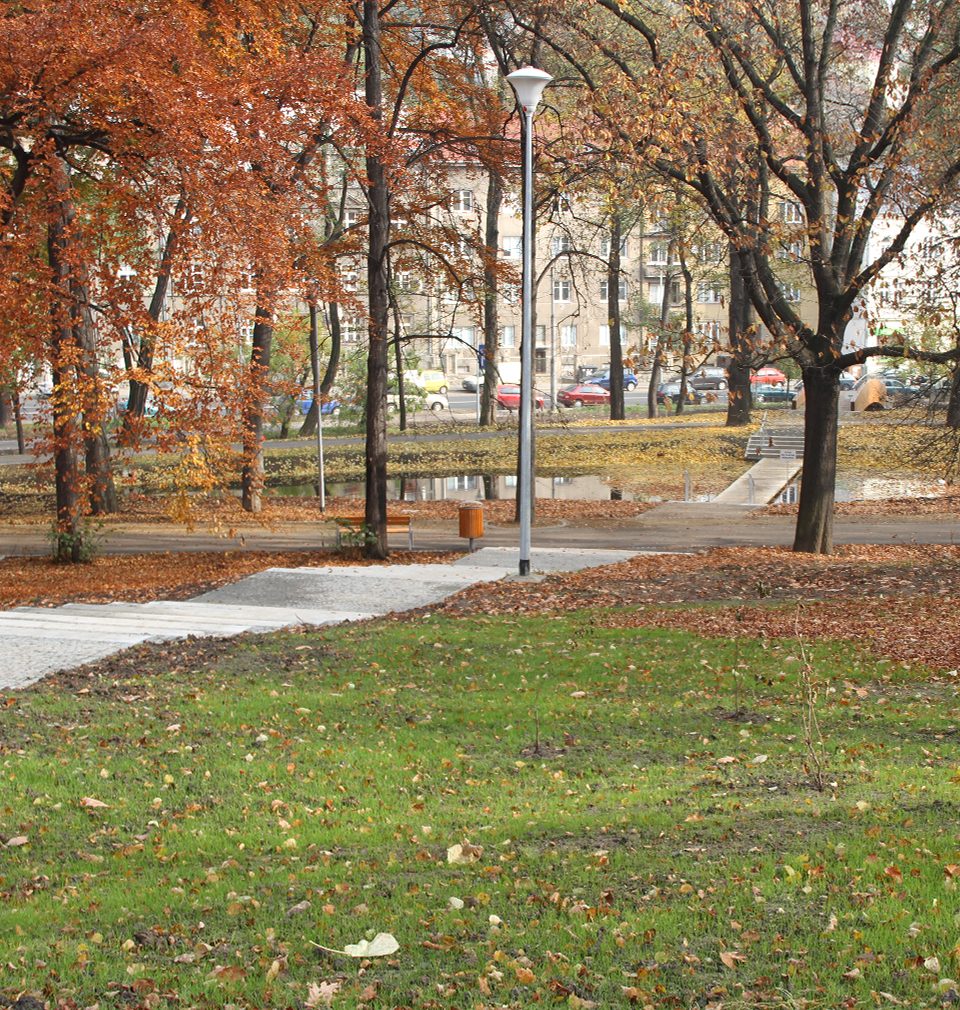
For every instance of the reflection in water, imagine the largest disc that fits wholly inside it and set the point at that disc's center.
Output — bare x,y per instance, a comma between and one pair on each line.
488,487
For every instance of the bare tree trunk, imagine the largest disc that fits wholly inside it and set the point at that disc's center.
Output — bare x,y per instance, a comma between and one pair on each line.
103,492
953,403
661,345
739,399
617,408
137,400
378,198
687,329
491,335
309,425
252,476
63,353
5,409
18,418
814,530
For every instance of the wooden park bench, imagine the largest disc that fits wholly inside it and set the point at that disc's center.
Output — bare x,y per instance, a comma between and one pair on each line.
355,525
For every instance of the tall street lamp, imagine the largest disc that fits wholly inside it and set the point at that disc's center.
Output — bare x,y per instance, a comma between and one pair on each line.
528,84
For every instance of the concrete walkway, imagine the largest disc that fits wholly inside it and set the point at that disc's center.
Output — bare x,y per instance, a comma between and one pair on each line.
35,641
761,483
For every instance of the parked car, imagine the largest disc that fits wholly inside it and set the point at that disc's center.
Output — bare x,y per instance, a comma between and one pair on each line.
769,376
471,383
508,397
630,381
583,393
709,377
771,394
418,401
671,391
432,380
328,408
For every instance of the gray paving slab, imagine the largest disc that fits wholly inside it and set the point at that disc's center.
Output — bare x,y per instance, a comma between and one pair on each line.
26,626
25,659
260,616
551,559
380,590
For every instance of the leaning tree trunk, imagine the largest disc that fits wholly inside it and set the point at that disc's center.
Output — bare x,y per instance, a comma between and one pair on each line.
309,425
617,409
378,199
814,529
252,475
491,339
137,400
661,345
739,399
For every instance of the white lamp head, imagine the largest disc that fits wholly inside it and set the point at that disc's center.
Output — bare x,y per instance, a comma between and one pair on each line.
528,84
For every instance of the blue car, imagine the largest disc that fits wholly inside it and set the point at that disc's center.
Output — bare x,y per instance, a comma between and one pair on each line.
630,381
329,408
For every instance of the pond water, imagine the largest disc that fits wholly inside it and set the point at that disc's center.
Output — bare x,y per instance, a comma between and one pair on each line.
473,488
592,487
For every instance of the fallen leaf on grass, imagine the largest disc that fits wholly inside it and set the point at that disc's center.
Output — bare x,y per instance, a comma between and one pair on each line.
228,973
380,946
322,994
731,957
465,853
89,803
13,843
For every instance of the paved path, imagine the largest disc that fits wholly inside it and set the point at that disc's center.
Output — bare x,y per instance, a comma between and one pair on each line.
761,483
35,641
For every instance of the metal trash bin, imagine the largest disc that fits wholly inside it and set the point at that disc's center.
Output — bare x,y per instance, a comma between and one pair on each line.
471,521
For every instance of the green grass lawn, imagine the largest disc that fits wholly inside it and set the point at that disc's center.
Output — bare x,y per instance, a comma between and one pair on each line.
660,850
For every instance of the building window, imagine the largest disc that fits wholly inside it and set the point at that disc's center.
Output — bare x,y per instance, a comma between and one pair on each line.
350,331
604,335
462,483
465,335
791,252
711,252
605,247
540,360
350,278
791,212
708,294
659,253
508,336
622,287
511,293
408,282
561,290
561,244
540,336
463,199
568,335
191,280
791,292
351,217
512,246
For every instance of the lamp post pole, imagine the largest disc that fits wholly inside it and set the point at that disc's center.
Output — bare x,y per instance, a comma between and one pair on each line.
528,84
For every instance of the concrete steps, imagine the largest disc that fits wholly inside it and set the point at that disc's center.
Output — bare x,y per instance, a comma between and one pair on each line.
773,443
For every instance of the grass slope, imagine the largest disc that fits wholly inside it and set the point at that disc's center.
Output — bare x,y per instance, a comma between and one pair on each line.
659,848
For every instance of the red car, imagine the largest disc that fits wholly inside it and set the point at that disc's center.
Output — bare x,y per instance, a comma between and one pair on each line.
769,376
508,397
585,392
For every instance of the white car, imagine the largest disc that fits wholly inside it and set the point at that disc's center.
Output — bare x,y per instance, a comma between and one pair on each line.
418,401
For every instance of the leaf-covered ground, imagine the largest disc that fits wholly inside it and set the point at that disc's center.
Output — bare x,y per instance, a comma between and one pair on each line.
634,807
166,576
901,599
